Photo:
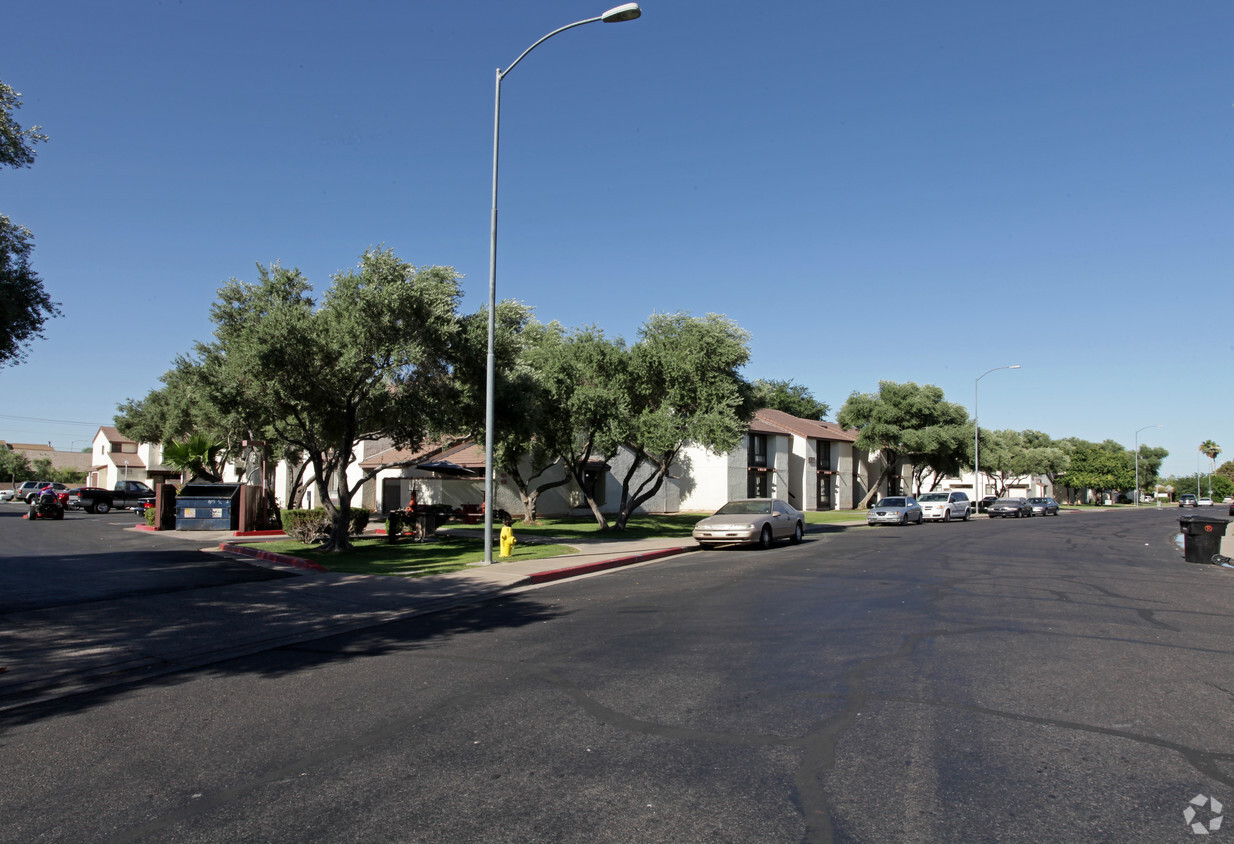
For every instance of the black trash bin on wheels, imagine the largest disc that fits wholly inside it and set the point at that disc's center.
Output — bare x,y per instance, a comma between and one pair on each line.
1201,537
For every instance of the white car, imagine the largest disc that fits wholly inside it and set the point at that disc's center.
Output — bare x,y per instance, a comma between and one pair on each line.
1205,502
945,506
7,494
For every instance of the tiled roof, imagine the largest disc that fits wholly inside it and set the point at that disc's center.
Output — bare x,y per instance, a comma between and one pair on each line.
462,452
120,458
780,422
761,426
114,436
467,454
27,447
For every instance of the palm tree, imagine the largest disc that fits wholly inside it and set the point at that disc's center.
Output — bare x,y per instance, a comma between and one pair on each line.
196,455
1211,450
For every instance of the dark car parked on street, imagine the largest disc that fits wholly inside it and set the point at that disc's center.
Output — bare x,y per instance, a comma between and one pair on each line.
1014,507
984,503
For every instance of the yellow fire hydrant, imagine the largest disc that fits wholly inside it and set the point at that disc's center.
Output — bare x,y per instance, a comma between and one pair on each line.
507,539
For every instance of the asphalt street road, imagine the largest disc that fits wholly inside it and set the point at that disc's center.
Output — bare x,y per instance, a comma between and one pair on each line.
1054,679
85,558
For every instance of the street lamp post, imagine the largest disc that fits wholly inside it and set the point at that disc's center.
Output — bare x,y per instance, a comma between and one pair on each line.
618,14
977,485
1137,462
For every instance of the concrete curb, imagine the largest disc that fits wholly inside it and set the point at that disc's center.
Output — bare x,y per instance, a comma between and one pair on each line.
588,568
536,578
270,556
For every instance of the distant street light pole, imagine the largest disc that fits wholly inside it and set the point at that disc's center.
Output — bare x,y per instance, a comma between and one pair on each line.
978,487
618,14
1137,462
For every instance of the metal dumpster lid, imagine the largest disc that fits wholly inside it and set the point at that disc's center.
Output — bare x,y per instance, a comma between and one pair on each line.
199,490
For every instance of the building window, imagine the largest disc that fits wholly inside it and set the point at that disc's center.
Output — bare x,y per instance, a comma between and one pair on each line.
757,455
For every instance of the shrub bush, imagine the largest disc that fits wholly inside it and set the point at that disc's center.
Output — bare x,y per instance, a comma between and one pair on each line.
308,526
305,526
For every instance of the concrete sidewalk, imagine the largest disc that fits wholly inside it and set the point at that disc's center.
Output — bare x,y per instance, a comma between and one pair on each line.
59,651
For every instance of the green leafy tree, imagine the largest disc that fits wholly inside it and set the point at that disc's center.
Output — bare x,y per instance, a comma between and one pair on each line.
890,423
1150,467
1223,486
788,397
940,451
1050,457
685,387
519,403
24,305
43,469
1009,457
370,362
198,456
1104,467
186,407
16,143
15,466
584,377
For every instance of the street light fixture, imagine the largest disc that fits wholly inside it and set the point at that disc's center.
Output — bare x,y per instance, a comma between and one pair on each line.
617,14
978,487
1137,462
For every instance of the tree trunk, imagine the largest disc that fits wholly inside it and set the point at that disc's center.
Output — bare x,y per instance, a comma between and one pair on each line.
630,503
580,478
340,513
529,492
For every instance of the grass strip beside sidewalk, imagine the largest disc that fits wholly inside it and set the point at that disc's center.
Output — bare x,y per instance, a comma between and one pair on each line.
406,559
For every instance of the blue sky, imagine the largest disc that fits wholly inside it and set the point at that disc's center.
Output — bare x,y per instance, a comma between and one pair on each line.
875,190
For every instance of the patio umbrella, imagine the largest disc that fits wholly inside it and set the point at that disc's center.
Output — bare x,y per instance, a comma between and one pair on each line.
444,467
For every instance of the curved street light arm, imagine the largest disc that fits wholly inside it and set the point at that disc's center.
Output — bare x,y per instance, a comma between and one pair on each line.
501,73
1137,462
977,433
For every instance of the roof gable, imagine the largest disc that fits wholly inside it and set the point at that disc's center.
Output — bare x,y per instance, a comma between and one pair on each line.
807,428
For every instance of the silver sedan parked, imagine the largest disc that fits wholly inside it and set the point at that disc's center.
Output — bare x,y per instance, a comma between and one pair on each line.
895,510
761,520
1045,506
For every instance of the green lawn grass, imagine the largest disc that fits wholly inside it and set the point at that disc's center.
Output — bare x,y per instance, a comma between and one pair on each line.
405,558
674,525
446,554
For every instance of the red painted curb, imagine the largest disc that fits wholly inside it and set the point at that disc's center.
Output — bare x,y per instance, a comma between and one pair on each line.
259,533
271,557
588,568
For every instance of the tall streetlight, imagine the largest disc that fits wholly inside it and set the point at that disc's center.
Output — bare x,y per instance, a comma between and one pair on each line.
1137,461
618,14
977,485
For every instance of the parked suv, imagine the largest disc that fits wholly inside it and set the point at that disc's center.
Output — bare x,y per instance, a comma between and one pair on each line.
30,489
945,506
